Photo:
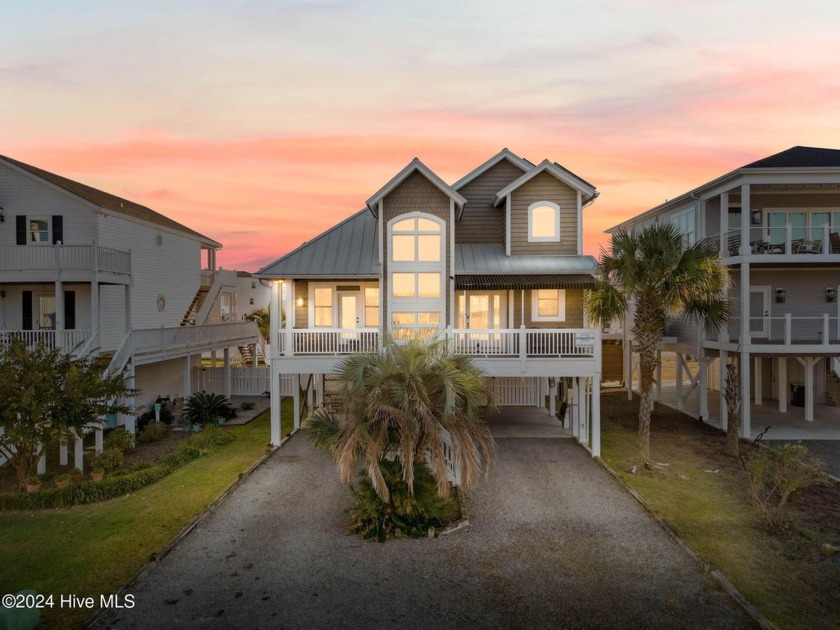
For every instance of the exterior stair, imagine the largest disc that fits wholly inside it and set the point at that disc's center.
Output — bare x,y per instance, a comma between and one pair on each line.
332,399
195,306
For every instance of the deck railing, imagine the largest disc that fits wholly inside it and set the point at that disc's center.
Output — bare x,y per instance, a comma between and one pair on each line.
521,342
772,241
71,257
175,338
65,339
789,330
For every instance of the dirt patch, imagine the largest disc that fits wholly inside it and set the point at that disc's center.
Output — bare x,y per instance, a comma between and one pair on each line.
154,451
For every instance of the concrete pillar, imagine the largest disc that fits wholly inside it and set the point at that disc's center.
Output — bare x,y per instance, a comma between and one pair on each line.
79,454
758,380
226,372
704,386
723,411
678,360
745,394
62,453
596,415
782,384
186,377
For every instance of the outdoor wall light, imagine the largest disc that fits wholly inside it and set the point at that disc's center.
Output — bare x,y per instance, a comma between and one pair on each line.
756,217
830,294
301,301
780,296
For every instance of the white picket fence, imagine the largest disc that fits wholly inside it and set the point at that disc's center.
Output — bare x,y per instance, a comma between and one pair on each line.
515,391
244,381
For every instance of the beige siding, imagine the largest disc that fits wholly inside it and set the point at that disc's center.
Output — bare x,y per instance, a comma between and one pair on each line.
301,312
544,187
574,311
481,222
415,194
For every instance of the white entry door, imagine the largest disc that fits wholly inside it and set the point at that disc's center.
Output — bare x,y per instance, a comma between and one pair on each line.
348,314
759,312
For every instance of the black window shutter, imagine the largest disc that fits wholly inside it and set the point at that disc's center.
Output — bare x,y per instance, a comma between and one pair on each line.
20,225
70,310
27,310
58,229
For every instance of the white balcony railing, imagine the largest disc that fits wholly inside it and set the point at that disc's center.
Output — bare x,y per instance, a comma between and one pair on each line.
789,330
522,342
773,241
71,257
65,339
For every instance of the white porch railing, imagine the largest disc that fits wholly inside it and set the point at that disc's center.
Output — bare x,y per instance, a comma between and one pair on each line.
770,241
789,330
49,257
66,339
522,342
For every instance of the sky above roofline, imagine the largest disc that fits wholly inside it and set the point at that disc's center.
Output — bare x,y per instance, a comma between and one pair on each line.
262,124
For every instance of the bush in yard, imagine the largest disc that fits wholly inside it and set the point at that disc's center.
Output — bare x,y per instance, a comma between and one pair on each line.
48,395
120,439
153,432
777,475
204,408
108,460
405,513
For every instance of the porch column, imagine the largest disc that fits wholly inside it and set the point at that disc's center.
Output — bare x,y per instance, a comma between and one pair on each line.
41,467
296,401
290,317
583,433
567,396
678,360
62,453
552,393
596,415
98,435
723,410
130,419
275,404
704,386
809,364
79,453
59,314
658,375
186,377
226,372
273,341
94,307
724,224
310,394
781,384
574,406
745,393
757,378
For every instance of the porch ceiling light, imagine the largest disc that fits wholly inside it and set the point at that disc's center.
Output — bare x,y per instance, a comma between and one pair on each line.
830,294
780,296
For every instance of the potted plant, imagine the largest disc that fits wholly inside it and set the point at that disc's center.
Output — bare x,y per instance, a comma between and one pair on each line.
62,480
106,461
75,474
33,483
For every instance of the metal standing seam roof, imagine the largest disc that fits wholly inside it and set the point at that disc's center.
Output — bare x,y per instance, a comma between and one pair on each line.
490,259
349,249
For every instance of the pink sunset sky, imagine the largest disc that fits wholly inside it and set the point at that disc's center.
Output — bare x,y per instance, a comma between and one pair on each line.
260,124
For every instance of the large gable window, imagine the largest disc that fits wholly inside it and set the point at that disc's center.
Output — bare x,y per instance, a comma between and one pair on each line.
416,278
543,222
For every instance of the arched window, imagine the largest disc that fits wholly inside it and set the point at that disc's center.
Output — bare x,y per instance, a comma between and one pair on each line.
416,277
543,222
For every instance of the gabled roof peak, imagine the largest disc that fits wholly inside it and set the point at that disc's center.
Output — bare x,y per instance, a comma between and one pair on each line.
504,154
563,174
399,178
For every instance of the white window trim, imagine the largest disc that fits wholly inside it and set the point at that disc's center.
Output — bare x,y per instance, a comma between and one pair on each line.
544,239
333,286
561,307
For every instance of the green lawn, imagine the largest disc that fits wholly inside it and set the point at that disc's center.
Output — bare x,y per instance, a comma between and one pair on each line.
783,575
95,549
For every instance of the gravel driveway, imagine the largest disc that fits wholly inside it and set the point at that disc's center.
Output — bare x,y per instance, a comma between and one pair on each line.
553,541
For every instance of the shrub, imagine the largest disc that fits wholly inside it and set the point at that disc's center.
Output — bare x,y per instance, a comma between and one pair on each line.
153,432
777,475
120,439
148,417
204,408
247,405
404,514
108,460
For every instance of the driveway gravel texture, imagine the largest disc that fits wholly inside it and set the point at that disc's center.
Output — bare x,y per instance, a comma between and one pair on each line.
553,541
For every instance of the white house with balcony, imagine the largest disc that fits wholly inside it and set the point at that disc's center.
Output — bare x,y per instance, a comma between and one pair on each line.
776,225
88,271
493,262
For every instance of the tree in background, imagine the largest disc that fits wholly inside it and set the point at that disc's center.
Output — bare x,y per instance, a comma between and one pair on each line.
654,272
47,394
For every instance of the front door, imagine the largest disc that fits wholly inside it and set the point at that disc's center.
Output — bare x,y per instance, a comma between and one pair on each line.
481,311
760,312
348,316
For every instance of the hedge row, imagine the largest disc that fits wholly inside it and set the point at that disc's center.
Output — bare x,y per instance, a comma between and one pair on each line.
120,483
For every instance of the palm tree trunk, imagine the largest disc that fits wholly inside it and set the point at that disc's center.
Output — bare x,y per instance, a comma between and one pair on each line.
732,395
647,367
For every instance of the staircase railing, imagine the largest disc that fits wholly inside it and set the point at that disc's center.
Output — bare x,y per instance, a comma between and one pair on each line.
122,356
221,278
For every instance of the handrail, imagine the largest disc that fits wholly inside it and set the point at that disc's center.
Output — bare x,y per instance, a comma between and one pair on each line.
122,356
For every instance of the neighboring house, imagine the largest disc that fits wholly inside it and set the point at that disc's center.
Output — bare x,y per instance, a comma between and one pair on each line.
493,262
776,224
87,271
252,293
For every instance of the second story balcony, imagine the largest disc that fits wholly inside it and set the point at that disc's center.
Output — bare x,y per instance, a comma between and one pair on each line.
782,243
68,262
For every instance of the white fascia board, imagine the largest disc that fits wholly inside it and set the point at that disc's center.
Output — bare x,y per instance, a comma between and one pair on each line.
414,165
545,166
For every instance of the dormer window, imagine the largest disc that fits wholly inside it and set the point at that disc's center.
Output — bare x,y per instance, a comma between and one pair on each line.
543,222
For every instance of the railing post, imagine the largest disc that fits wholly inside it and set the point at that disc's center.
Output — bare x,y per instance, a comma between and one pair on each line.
788,237
826,244
787,329
825,329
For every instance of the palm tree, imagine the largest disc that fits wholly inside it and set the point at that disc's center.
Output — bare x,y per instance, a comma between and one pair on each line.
263,318
401,401
662,276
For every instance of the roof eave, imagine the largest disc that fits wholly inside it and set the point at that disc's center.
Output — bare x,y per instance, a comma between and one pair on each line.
564,176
